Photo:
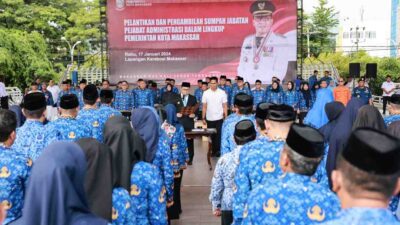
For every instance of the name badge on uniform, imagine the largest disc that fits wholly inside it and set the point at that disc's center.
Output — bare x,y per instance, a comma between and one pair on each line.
268,51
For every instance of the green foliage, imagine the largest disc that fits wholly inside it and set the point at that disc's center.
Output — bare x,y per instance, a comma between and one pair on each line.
31,31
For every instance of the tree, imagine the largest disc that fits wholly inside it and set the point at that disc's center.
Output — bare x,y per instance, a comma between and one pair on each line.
323,20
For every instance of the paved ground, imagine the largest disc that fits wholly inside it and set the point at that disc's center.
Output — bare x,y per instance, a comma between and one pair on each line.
196,189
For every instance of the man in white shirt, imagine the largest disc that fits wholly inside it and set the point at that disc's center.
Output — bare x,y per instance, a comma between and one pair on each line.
388,88
55,91
215,109
3,95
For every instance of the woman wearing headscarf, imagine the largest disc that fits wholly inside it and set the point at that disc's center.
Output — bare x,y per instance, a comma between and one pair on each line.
369,116
314,90
306,101
170,97
56,194
130,172
145,122
341,133
333,111
290,96
112,204
317,117
179,148
275,95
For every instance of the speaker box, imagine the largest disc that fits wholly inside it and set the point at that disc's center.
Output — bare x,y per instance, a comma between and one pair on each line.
354,69
372,70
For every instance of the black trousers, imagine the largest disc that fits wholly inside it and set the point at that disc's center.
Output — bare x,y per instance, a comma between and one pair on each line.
302,115
226,217
216,138
4,102
176,208
190,144
385,101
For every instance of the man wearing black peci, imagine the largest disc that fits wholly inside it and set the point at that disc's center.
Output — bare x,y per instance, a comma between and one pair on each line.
186,115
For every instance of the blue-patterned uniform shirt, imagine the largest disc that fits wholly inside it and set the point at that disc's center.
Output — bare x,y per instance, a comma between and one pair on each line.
14,172
198,93
143,97
93,119
179,142
259,162
302,104
290,98
227,140
107,112
148,195
69,129
32,138
274,97
79,94
258,96
170,131
364,216
362,93
222,184
163,161
122,211
236,91
123,100
228,91
291,199
392,118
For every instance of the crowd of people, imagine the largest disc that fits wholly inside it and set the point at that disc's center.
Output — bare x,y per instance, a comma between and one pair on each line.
306,152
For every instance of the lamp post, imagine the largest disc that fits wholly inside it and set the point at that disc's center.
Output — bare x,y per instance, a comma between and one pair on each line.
71,48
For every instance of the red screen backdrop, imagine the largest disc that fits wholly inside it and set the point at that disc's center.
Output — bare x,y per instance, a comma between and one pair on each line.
190,39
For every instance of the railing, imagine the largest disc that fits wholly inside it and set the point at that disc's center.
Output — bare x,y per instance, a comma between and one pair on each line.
15,95
308,70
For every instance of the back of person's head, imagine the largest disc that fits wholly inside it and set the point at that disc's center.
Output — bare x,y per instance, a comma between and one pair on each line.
261,114
69,104
369,116
244,103
90,94
8,124
395,101
303,150
369,165
106,96
34,105
244,132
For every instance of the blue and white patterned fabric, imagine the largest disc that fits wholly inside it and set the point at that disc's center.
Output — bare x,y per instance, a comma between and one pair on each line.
69,129
198,93
143,97
79,94
163,161
148,195
236,91
107,112
122,211
49,98
274,97
95,120
259,162
364,94
227,140
302,105
179,141
156,95
394,204
364,216
228,92
32,138
124,100
392,118
222,185
290,199
258,96
14,173
291,98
